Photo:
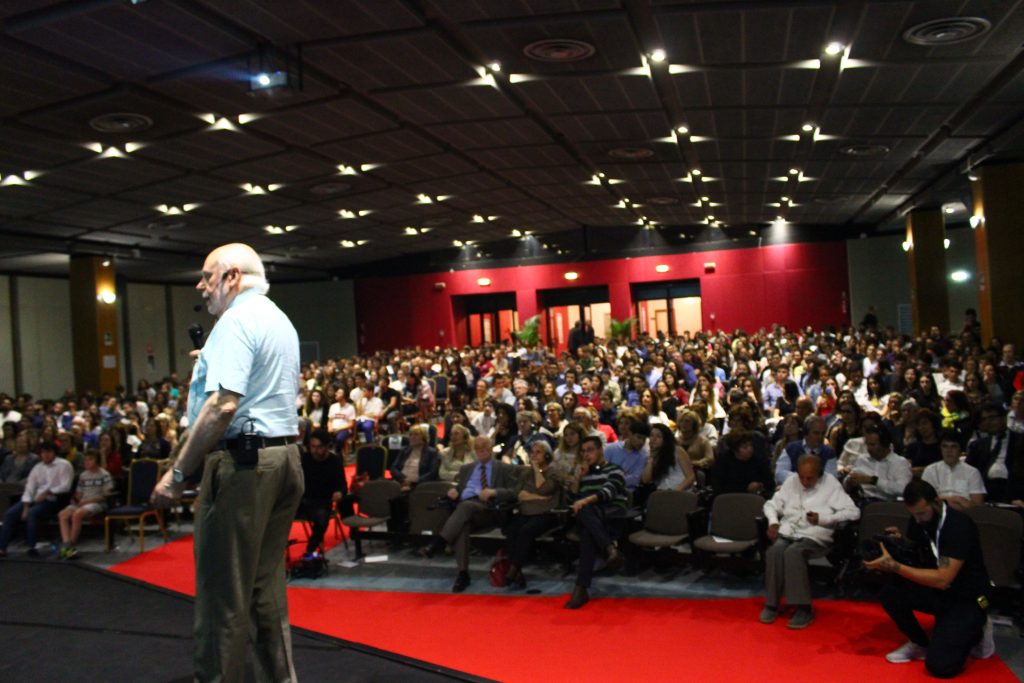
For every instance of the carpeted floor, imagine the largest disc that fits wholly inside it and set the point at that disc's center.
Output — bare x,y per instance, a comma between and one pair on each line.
531,638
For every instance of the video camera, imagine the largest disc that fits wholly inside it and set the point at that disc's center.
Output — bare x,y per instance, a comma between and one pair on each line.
899,548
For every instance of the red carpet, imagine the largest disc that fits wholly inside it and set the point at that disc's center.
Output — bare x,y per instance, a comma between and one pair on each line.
533,639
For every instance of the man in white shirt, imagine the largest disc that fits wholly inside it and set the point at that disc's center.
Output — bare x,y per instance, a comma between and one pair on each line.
341,418
366,418
880,474
50,477
800,517
949,378
957,483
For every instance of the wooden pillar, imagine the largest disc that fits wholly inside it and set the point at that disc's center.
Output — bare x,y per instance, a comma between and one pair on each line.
926,257
94,331
998,220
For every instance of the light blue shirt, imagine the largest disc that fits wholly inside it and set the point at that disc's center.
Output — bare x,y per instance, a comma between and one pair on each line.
252,351
631,462
473,487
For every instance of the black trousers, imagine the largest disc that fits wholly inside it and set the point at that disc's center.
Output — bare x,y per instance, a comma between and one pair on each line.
318,512
597,528
522,532
958,623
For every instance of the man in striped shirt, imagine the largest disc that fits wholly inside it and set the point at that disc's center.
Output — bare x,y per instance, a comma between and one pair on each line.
600,509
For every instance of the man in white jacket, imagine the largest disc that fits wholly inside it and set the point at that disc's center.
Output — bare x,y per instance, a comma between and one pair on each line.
801,516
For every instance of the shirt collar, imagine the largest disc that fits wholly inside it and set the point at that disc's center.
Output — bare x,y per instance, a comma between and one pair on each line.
242,296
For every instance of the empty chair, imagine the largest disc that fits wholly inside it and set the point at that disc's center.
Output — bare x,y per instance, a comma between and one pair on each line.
1000,531
374,502
666,522
425,512
736,525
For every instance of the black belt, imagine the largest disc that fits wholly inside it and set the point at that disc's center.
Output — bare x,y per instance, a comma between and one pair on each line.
263,441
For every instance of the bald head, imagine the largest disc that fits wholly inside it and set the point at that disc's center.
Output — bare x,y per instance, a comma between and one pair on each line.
229,270
247,261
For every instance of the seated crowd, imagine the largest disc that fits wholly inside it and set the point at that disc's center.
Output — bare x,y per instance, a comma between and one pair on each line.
528,439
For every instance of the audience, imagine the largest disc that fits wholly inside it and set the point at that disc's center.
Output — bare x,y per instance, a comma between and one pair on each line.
50,477
865,407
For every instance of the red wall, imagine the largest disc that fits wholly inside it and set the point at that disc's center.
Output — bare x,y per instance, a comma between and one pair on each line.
792,284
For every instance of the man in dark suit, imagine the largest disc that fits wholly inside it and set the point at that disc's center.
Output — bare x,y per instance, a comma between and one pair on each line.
484,492
994,454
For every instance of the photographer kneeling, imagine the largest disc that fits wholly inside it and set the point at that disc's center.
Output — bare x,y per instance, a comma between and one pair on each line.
951,583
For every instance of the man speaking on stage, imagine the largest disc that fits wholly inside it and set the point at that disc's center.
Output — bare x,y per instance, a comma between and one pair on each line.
242,432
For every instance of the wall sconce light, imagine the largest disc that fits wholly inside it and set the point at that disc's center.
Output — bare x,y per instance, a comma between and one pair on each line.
106,296
661,268
572,275
484,281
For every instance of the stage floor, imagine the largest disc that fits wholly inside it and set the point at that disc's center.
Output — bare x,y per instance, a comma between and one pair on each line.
62,621
401,613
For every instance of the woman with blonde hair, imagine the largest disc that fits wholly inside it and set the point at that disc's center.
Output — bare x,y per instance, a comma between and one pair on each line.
458,453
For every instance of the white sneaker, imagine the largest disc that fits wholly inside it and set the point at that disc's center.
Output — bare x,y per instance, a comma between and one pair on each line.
907,652
986,647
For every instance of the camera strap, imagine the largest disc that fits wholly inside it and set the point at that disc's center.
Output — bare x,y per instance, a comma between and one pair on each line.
938,533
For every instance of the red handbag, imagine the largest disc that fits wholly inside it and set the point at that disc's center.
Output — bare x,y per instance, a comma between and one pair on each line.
499,569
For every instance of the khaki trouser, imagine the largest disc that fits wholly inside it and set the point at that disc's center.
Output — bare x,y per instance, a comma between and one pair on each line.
786,574
243,517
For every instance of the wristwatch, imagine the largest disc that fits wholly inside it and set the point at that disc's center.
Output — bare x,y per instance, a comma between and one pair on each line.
177,476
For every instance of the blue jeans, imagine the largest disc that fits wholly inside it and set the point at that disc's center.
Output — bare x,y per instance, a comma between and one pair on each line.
37,513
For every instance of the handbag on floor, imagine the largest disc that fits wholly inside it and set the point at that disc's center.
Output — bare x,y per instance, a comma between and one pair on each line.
499,569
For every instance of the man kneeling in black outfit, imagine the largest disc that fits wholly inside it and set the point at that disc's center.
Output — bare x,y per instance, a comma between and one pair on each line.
951,583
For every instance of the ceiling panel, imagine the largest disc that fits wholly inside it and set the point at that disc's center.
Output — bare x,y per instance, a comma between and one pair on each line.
397,95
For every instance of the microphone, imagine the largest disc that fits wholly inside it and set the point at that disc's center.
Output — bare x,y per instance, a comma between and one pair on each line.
195,333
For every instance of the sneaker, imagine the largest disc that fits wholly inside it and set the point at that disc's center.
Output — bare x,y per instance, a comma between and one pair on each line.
69,553
768,614
907,652
986,647
802,618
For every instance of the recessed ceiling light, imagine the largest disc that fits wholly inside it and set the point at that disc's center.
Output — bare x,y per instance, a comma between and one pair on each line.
169,210
682,130
794,171
559,50
950,209
834,48
494,66
120,122
695,172
947,31
959,276
807,127
658,56
458,243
